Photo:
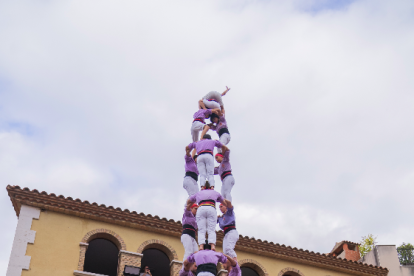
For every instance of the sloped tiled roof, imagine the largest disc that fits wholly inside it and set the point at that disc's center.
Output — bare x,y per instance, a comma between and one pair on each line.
85,209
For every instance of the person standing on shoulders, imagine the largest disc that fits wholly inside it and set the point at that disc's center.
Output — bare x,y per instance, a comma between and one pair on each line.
205,160
227,223
206,214
189,230
191,174
224,170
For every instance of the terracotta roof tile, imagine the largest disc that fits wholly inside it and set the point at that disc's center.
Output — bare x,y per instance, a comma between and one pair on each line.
170,227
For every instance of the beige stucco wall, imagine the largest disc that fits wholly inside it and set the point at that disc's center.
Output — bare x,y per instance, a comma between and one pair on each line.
56,247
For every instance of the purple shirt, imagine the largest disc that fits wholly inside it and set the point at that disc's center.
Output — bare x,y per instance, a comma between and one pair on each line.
227,219
224,165
221,124
189,218
185,273
201,114
235,271
190,165
207,256
205,144
205,195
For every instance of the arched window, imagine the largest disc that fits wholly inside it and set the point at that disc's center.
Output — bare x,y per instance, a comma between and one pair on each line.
101,257
157,261
291,273
247,271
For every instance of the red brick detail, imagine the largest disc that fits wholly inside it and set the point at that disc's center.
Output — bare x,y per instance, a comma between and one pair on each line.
253,264
161,245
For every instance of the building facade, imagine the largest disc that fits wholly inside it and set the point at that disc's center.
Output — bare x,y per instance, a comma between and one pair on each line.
387,256
62,236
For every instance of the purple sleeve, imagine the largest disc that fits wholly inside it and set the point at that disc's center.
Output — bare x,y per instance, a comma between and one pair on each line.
188,213
191,258
219,198
183,272
215,170
227,156
218,144
229,211
207,112
192,145
187,158
193,198
236,271
222,258
222,119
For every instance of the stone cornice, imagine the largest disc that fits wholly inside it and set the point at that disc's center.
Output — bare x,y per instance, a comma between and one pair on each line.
170,227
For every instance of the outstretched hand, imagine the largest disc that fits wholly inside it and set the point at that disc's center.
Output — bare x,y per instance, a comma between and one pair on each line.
225,92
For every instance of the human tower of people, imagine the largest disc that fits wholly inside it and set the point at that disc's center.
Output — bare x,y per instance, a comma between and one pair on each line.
200,209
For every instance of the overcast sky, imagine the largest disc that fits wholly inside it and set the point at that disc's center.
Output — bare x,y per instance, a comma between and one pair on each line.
97,98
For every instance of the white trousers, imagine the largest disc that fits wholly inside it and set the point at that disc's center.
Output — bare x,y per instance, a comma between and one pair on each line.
190,245
225,140
226,186
205,273
196,127
229,243
211,104
191,186
205,166
206,222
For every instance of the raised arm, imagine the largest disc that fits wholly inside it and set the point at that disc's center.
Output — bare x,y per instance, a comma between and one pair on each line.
224,149
187,151
217,111
230,259
225,92
201,105
189,203
187,265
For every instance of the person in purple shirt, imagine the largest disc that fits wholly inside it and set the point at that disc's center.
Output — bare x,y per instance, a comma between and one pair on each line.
191,174
224,170
206,214
220,127
205,160
227,223
198,122
206,261
189,230
232,266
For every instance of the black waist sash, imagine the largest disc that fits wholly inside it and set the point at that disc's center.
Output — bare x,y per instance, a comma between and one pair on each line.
209,267
224,174
223,130
205,151
207,202
228,228
189,230
192,174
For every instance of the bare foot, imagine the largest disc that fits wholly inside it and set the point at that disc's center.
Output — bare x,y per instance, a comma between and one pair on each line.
213,246
201,247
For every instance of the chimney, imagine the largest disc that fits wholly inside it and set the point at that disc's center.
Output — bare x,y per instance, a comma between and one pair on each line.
346,250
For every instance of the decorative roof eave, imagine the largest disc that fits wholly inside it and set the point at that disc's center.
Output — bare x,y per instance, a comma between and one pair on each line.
170,227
